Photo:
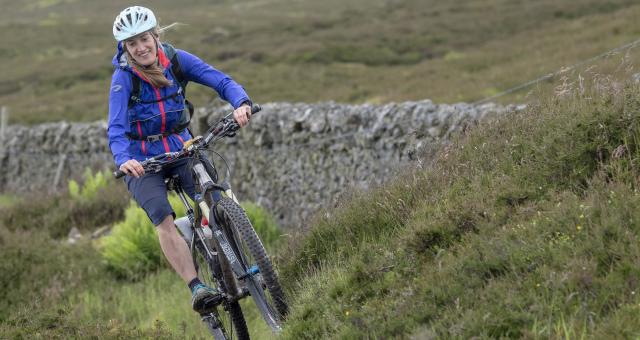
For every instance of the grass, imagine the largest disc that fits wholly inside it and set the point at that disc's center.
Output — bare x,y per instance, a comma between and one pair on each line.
524,226
54,289
527,226
160,298
312,51
7,200
56,214
38,272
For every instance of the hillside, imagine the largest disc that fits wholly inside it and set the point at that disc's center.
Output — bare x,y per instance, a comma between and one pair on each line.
526,226
56,53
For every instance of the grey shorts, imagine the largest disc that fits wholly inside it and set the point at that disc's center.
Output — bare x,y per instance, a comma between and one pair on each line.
150,192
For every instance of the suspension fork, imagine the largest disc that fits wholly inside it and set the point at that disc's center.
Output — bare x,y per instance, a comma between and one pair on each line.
209,187
221,236
246,275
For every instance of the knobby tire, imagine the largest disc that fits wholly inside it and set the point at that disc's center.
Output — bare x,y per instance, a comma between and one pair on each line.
237,218
236,326
231,288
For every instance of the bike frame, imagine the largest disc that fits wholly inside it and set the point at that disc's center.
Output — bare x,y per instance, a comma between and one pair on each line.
229,248
198,239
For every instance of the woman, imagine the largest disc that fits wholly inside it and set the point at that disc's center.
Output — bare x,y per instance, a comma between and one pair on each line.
149,123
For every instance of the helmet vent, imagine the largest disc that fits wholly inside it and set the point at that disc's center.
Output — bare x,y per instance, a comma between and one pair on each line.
132,21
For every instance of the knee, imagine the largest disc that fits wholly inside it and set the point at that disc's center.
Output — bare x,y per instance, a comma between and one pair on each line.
166,226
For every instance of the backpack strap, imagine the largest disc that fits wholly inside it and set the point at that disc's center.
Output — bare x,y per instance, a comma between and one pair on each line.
176,71
136,89
179,76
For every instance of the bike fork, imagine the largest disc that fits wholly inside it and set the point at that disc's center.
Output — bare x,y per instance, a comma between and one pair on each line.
214,325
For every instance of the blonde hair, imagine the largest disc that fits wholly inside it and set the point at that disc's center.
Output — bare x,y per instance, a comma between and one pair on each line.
153,73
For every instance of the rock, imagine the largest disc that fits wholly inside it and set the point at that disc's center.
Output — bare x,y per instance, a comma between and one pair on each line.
292,158
100,232
74,236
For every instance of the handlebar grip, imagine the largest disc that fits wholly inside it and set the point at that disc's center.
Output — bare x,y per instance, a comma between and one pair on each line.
118,174
255,108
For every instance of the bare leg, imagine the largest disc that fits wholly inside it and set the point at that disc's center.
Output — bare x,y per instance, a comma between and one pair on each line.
175,249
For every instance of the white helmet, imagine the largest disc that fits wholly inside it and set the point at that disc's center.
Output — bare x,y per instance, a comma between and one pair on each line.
133,21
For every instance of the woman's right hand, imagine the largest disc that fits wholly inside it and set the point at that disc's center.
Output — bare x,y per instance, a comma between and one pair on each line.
242,114
132,168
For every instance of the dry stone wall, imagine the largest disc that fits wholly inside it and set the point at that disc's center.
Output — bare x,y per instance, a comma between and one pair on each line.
292,159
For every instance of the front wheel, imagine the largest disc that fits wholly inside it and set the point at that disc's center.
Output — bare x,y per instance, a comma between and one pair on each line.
270,301
223,324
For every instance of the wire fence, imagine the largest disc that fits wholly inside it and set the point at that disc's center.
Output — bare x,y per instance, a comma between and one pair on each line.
560,71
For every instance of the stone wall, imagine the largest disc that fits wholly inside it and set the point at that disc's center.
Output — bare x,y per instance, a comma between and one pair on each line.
292,159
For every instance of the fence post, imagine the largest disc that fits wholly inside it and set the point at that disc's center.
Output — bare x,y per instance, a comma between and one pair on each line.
56,180
4,117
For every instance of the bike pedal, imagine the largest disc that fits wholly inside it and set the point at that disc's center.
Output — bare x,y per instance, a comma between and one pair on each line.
213,301
208,304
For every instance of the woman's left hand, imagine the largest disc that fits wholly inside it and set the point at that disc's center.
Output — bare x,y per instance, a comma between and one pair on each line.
242,115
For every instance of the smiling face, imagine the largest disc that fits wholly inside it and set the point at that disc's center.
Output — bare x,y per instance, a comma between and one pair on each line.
142,48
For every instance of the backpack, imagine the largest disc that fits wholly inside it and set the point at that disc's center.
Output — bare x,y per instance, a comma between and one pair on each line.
176,72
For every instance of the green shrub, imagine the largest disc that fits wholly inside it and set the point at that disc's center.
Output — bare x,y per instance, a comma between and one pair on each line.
74,189
93,183
58,213
263,223
132,249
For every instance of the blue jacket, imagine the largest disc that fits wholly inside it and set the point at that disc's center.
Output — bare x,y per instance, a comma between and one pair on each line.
156,118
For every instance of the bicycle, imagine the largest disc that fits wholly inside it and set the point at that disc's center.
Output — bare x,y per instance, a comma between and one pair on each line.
225,248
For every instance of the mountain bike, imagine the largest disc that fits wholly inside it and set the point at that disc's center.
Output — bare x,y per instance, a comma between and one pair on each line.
227,252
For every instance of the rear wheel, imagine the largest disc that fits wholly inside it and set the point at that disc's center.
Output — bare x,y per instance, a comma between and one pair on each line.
268,294
225,321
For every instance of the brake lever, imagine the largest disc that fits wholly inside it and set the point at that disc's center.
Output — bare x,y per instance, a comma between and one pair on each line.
231,132
232,128
228,128
154,166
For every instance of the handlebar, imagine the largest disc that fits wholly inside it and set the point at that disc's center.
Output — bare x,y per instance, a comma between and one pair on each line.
225,127
118,174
